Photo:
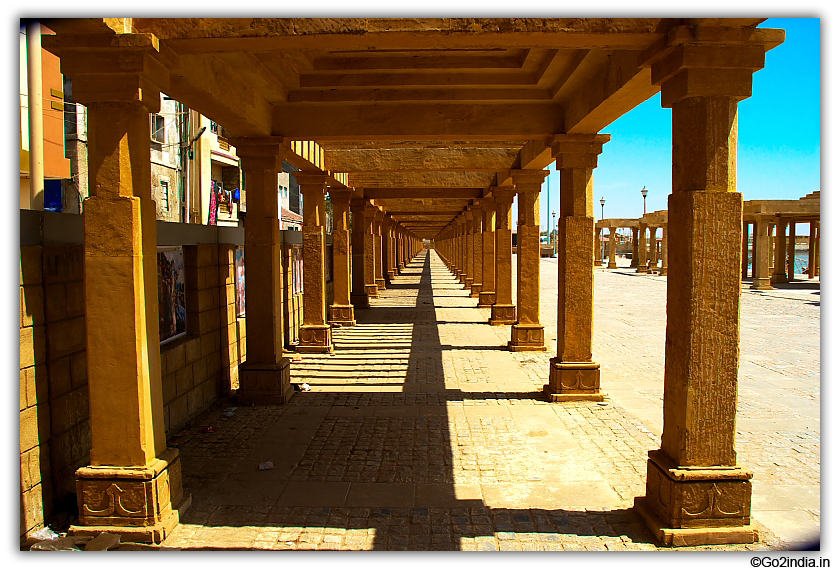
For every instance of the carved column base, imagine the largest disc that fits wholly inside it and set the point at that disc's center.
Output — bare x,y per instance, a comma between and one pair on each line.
527,337
573,381
642,269
761,283
141,504
598,263
612,265
315,338
360,301
372,291
475,289
486,299
380,283
502,315
342,316
391,273
690,506
663,271
780,278
468,283
265,383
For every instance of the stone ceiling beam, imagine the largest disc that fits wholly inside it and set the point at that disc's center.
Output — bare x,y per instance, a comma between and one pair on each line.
420,159
438,193
417,121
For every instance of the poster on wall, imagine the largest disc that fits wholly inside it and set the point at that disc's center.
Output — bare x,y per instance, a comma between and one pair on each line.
239,264
172,303
297,269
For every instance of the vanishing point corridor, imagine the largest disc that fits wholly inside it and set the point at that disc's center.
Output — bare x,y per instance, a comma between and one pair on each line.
419,433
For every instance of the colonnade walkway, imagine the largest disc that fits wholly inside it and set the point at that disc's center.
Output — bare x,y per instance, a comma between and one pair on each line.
421,432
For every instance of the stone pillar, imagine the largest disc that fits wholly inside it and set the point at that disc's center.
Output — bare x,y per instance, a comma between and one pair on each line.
358,294
599,245
528,333
779,273
791,268
696,493
761,263
387,249
341,311
264,376
643,263
653,262
461,263
612,264
132,485
754,258
477,250
745,249
371,287
664,269
812,260
503,311
377,248
635,261
573,375
315,333
487,296
817,251
771,231
469,238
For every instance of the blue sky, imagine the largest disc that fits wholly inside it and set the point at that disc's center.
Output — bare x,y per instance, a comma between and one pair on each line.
778,132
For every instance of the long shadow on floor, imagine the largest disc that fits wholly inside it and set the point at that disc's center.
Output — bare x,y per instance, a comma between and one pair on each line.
373,451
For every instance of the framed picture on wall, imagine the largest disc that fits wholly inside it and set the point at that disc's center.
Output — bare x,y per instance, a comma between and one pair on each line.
172,303
239,264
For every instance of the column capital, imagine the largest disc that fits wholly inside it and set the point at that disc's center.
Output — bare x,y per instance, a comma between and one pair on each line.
699,69
504,194
528,180
578,151
312,183
259,153
378,214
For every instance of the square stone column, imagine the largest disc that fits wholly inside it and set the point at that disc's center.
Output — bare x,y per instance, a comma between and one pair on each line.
791,264
761,267
341,311
635,261
612,264
371,288
487,296
461,259
528,333
469,239
315,333
643,263
696,492
573,375
264,376
477,250
599,244
771,232
377,248
663,270
132,485
653,260
812,250
745,250
754,245
387,249
817,251
503,311
779,269
358,293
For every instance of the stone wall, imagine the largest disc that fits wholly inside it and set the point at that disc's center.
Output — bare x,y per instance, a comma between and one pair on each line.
34,396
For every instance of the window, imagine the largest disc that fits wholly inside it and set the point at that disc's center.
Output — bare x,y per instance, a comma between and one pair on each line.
164,194
158,134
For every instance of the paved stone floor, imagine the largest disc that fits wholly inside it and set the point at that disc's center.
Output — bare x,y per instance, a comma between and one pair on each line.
422,433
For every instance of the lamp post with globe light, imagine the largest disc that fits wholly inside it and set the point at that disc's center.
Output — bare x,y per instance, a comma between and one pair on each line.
644,197
554,230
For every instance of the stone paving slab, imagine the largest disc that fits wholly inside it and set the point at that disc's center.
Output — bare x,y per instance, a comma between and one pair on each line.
421,433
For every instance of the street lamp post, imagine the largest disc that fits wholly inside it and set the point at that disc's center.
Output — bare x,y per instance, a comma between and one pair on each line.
644,198
554,229
601,234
